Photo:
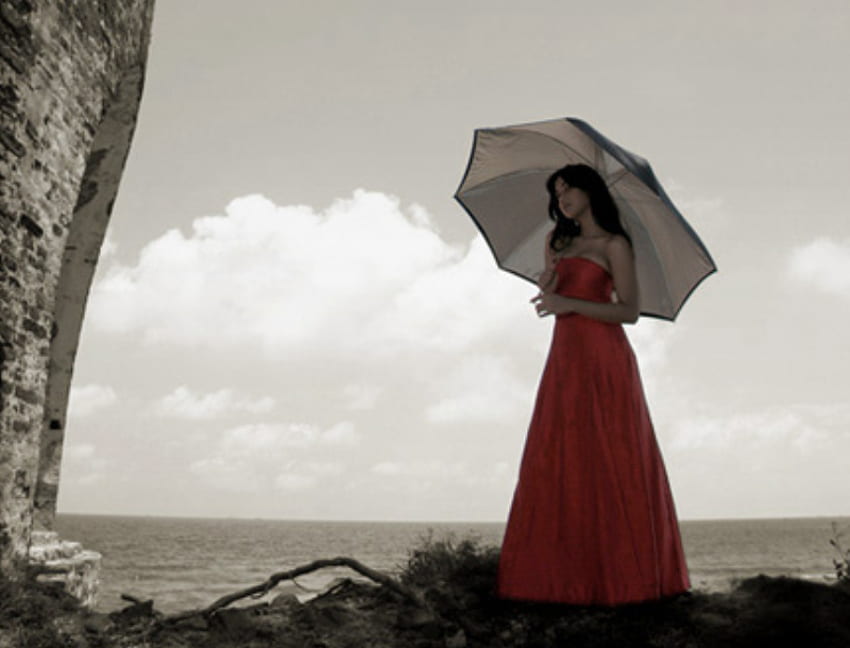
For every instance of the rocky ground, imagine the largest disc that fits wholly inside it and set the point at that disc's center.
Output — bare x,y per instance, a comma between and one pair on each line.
453,584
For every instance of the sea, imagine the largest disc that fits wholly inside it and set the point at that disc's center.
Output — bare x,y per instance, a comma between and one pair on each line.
187,563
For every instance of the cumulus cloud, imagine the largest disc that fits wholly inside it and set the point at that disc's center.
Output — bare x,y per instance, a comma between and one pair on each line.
267,440
87,399
108,248
651,340
779,461
249,458
778,429
183,403
824,264
362,274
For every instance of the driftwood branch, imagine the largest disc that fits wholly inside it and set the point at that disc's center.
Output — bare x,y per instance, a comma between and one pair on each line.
265,587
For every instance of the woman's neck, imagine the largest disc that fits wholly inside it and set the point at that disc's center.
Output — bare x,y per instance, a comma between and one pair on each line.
590,229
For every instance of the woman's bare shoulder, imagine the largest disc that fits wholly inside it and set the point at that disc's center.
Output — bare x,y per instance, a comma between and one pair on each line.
618,244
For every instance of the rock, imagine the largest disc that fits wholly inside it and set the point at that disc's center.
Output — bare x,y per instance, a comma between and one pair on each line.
132,613
234,623
285,601
330,613
66,562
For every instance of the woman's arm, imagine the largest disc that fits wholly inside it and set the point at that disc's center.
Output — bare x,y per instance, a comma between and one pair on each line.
625,310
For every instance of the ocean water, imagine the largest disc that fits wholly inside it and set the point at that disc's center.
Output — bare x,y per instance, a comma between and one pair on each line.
185,563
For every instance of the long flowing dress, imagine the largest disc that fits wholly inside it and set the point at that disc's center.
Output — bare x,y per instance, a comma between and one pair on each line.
592,520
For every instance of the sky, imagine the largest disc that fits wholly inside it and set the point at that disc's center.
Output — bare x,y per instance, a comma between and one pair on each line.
293,318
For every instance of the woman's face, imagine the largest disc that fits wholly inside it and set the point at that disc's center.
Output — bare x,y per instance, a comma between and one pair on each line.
571,200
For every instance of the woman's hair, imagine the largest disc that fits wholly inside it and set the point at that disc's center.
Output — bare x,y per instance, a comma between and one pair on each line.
602,205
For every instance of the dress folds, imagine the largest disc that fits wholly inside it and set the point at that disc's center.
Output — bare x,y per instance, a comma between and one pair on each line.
592,520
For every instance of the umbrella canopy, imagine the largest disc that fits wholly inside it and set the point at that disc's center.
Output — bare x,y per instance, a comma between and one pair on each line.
504,191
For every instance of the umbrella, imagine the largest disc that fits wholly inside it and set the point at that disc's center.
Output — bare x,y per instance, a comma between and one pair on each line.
504,192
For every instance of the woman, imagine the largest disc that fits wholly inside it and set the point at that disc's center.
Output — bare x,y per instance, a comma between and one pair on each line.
592,519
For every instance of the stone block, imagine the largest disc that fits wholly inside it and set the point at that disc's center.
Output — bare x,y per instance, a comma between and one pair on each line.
53,559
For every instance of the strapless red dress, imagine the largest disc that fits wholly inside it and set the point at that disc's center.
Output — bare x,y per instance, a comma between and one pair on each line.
592,520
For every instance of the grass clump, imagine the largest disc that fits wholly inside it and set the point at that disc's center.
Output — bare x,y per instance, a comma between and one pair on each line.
842,563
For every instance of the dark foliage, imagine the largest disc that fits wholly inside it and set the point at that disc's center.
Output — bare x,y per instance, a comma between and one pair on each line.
28,610
842,563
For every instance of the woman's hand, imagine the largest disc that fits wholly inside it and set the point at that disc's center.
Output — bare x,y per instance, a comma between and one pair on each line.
548,303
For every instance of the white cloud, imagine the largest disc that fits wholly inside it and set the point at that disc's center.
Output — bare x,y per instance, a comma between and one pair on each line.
362,274
781,461
109,248
251,458
186,404
267,440
85,400
778,429
824,263
651,340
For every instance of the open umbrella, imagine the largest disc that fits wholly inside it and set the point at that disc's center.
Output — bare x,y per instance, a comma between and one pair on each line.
504,191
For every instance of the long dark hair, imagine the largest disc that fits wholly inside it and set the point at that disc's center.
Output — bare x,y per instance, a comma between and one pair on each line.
602,205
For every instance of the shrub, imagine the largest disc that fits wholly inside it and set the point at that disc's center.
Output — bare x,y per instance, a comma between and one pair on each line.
842,563
447,562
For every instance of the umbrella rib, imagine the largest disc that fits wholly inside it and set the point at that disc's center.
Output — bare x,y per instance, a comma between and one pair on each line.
617,176
562,144
471,191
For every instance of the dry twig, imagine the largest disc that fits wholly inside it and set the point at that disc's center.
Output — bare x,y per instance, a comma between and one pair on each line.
263,588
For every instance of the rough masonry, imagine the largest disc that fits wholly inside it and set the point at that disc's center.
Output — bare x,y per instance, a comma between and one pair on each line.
71,76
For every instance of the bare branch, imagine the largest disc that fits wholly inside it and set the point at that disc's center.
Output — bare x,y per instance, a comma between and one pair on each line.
263,588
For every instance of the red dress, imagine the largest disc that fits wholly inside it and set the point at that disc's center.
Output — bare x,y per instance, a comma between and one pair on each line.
592,519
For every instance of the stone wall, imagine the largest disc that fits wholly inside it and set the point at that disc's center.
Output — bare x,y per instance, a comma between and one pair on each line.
71,74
